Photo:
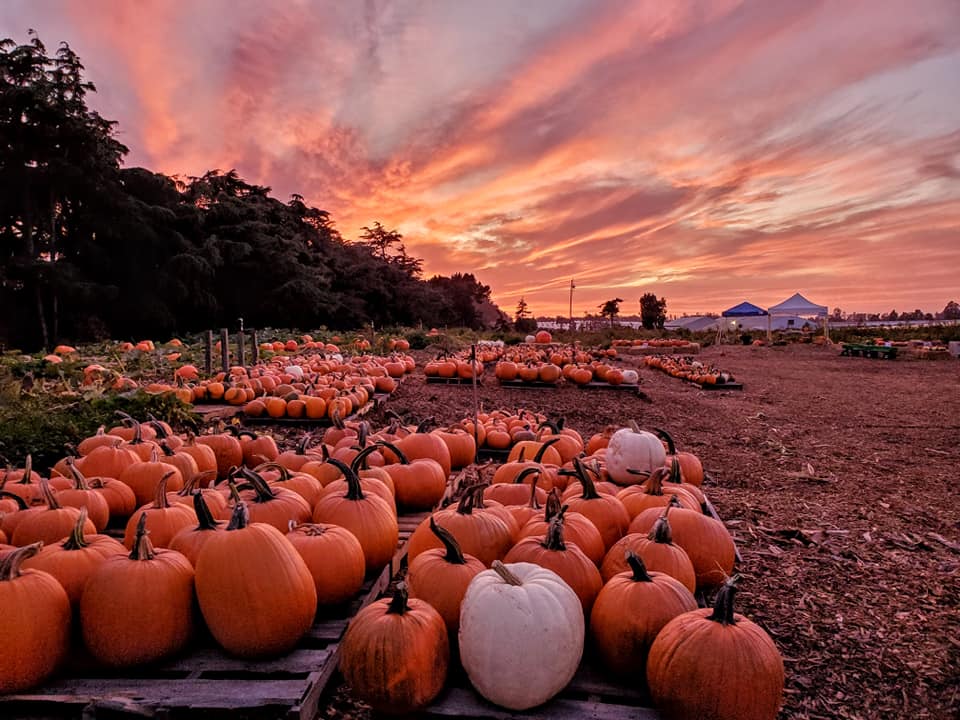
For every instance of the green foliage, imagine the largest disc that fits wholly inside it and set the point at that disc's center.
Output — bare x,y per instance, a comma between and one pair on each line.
653,311
418,340
43,424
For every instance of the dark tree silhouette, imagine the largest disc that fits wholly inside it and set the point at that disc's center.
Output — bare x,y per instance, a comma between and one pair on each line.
610,309
653,311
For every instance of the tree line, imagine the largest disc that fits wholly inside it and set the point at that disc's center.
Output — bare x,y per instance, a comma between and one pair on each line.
91,250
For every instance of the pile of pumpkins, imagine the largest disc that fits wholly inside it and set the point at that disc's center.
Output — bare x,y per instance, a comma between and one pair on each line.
222,522
460,365
687,368
602,541
654,343
562,362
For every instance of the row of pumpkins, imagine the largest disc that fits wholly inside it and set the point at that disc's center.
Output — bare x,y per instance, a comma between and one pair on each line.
521,588
581,535
687,368
577,373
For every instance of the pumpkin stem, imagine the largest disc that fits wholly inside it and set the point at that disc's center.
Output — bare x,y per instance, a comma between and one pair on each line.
79,481
454,554
396,451
76,540
398,603
632,424
21,503
553,506
635,562
10,564
354,490
142,547
554,538
240,517
466,504
167,450
675,475
661,532
262,491
723,605
665,436
161,500
533,503
525,473
589,489
284,472
504,572
48,495
360,461
538,458
654,483
205,518
137,432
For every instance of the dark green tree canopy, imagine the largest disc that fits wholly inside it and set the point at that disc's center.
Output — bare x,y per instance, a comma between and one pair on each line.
89,249
653,311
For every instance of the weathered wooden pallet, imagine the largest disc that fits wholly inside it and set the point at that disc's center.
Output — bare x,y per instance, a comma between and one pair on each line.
590,694
622,387
717,386
524,385
467,382
206,682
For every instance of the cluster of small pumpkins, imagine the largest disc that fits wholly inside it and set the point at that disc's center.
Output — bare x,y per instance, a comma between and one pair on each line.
687,368
655,342
601,541
224,522
460,365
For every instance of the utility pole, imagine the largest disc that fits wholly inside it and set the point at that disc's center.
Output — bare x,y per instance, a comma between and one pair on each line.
572,286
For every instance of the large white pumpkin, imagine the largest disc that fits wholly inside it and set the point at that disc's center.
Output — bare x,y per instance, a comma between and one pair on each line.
520,643
633,449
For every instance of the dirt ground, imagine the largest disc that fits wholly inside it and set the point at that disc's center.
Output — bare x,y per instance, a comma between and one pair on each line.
834,475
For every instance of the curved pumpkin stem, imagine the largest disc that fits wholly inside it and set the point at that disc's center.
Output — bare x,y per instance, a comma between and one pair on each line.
589,489
354,490
661,532
10,564
654,483
465,506
504,572
554,538
538,458
360,461
454,554
635,562
160,500
166,449
525,473
77,540
205,519
48,495
675,475
404,460
262,491
142,547
270,465
21,503
723,605
398,603
553,506
665,436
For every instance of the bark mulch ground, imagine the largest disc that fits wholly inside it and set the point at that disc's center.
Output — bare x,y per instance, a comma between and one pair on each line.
834,475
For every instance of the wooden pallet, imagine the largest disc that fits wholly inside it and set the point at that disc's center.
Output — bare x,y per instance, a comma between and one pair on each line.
622,387
206,682
717,386
524,385
590,694
466,382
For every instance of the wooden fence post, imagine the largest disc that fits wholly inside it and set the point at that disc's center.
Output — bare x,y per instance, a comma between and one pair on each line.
254,348
225,349
240,338
208,357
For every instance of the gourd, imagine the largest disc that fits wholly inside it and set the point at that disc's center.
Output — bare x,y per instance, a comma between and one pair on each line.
633,449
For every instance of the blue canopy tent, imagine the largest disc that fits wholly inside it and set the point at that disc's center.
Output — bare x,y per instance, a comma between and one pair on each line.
744,309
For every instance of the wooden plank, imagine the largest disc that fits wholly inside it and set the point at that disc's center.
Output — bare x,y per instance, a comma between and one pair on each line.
467,704
523,385
225,349
436,380
298,662
208,354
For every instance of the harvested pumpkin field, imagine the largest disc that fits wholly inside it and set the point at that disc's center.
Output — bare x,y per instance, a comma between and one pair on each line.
850,544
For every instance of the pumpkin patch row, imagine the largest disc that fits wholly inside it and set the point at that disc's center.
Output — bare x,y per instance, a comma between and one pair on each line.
687,368
522,574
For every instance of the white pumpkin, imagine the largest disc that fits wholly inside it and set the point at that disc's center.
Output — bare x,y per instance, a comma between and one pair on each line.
633,449
521,634
630,377
529,339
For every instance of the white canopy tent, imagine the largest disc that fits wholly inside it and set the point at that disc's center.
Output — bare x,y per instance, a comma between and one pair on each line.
797,304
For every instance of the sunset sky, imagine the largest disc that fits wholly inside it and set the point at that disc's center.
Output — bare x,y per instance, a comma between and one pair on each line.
709,151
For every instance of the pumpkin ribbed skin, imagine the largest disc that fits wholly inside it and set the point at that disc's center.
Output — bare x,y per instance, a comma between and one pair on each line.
35,631
138,609
395,654
143,478
441,577
629,612
482,533
254,589
657,552
705,540
73,561
107,461
164,520
367,516
226,448
50,524
335,560
715,665
564,558
521,634
633,449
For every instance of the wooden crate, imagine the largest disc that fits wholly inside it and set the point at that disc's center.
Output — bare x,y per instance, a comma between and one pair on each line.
524,385
458,381
206,682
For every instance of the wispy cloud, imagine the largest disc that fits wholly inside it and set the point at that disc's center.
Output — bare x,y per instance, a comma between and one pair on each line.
707,150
